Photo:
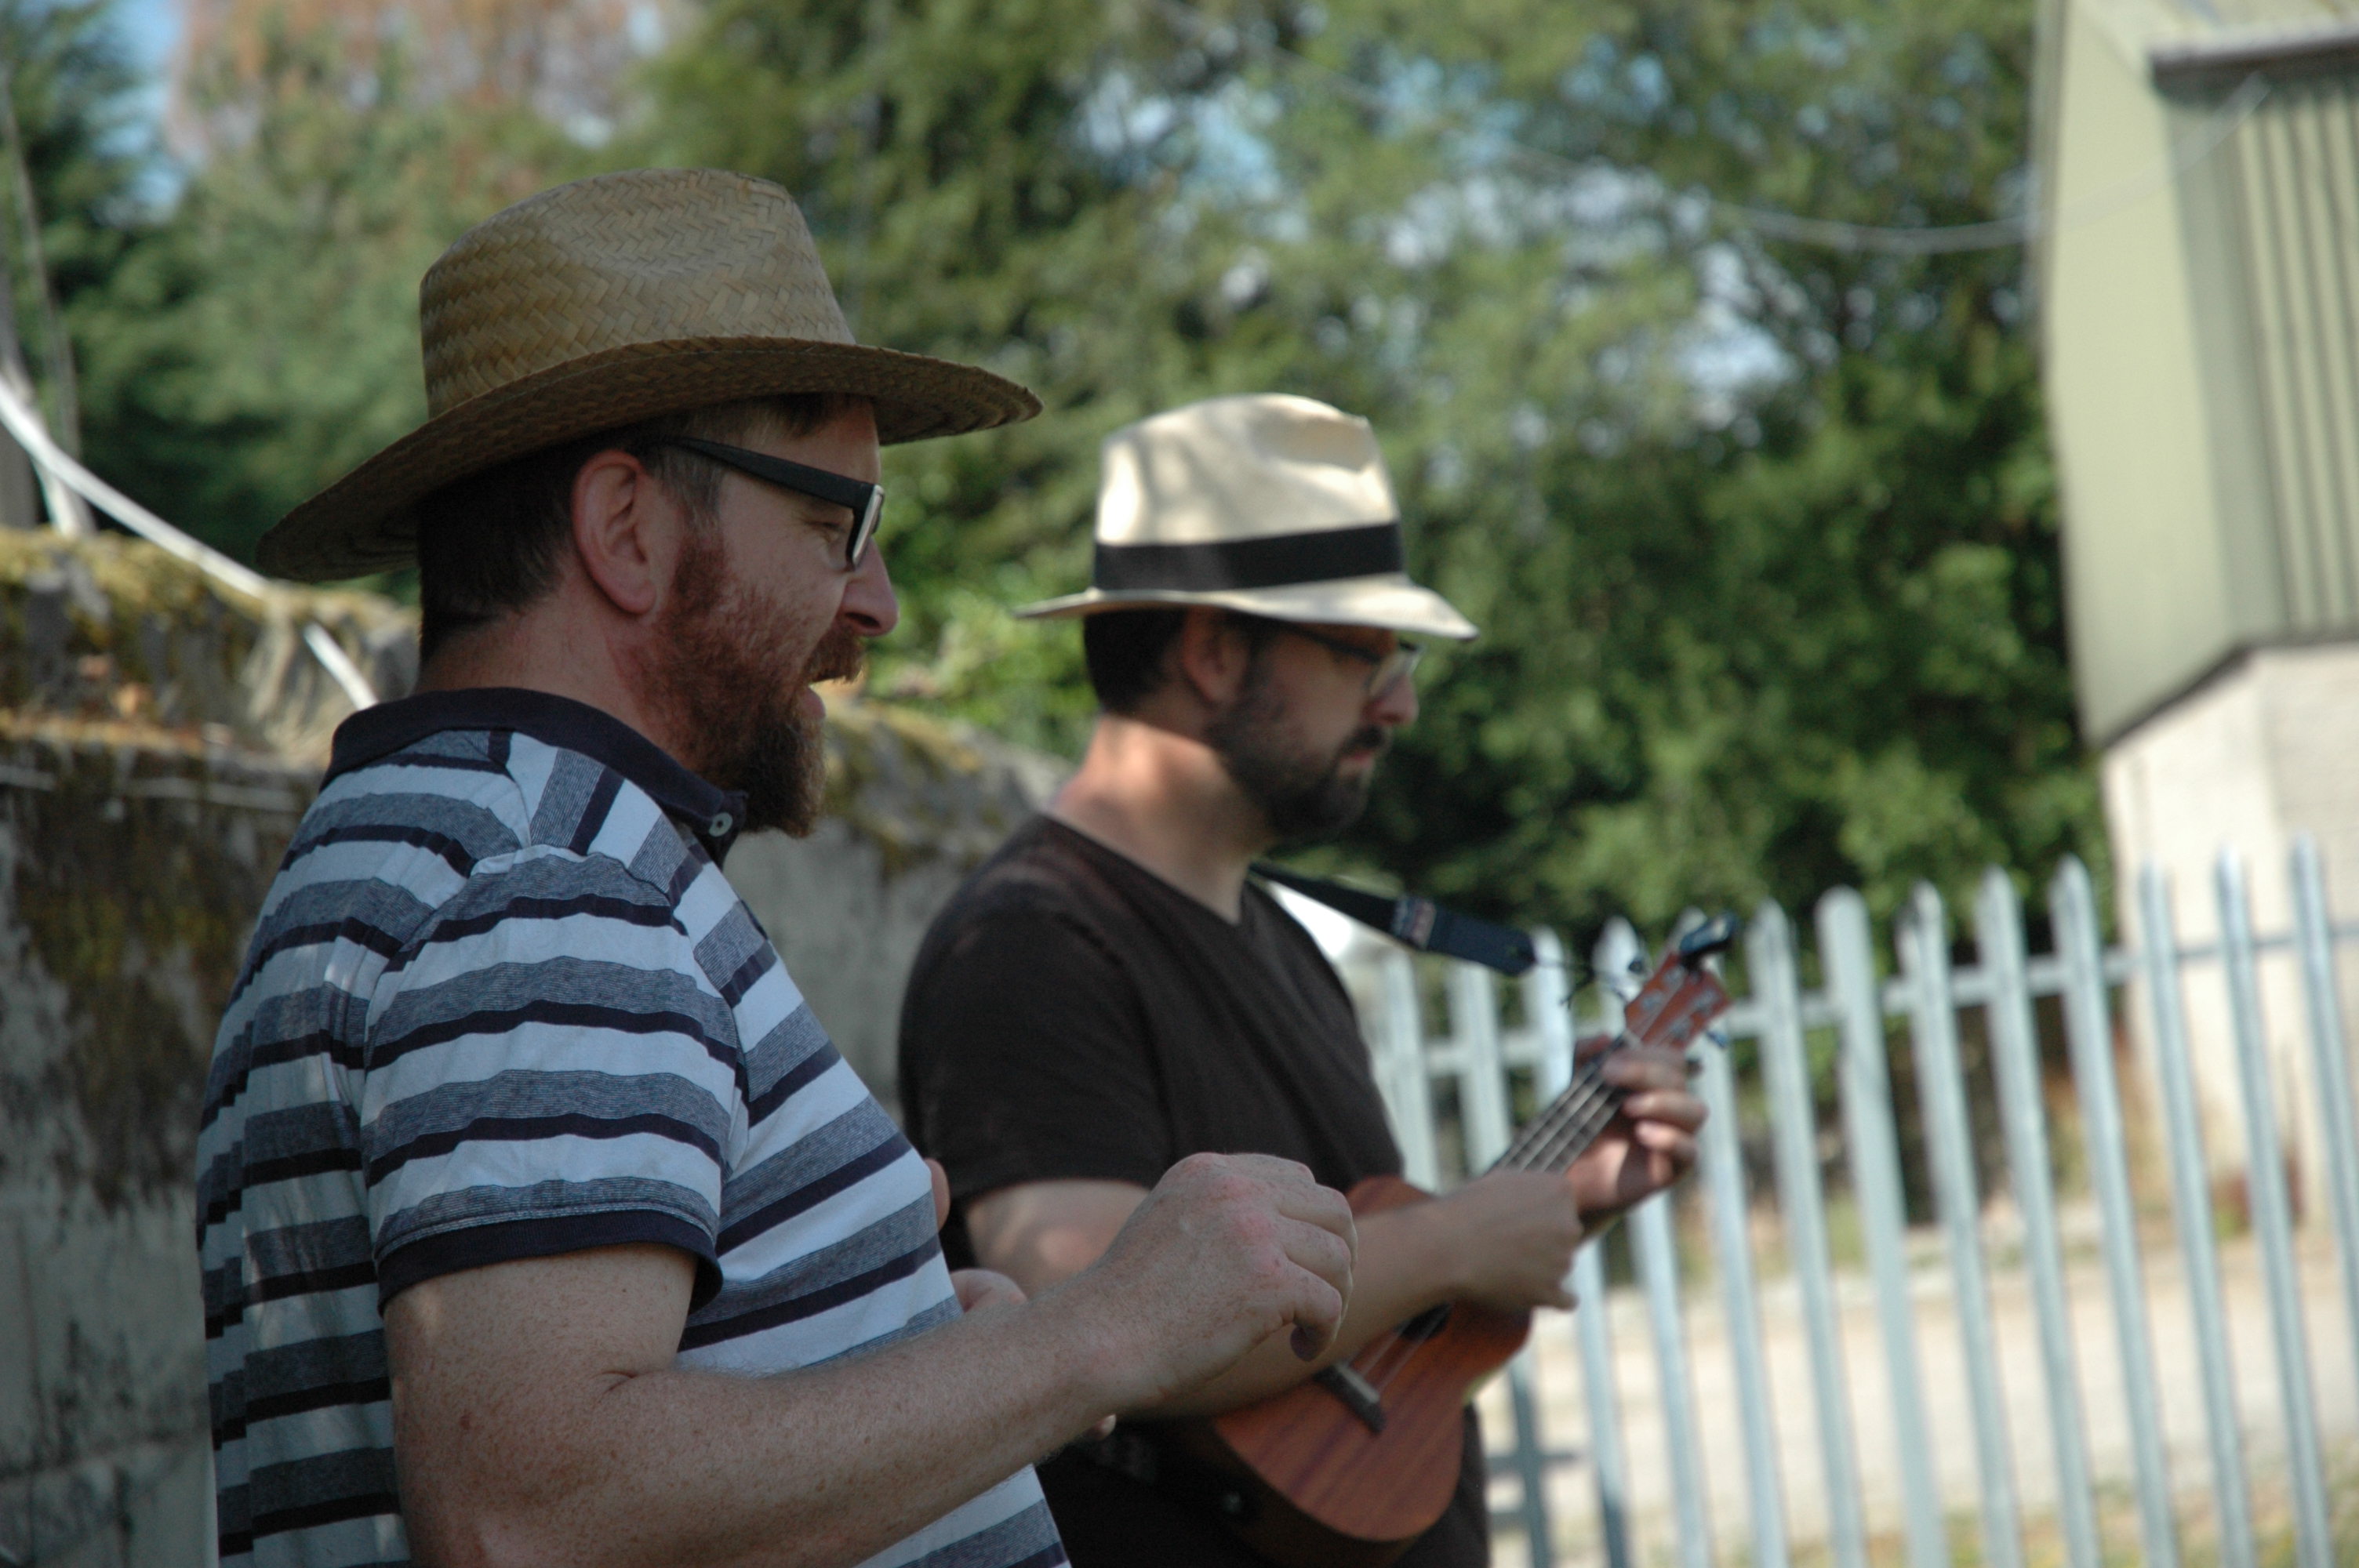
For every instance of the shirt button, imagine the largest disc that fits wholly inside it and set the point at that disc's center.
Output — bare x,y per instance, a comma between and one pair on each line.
720,824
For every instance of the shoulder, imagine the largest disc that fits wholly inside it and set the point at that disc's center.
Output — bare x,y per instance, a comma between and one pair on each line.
1289,942
577,882
1039,900
1044,872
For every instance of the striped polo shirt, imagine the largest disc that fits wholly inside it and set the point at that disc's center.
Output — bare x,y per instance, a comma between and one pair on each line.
500,1004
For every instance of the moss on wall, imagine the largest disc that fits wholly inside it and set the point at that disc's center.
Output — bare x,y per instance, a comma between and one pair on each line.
111,628
137,871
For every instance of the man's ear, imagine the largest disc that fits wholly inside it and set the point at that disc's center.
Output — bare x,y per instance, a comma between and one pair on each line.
1210,657
626,530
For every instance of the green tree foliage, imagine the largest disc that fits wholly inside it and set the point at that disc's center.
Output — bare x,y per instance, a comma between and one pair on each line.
68,83
1762,535
263,339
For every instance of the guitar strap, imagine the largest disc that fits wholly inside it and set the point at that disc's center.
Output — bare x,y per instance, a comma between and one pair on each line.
1420,923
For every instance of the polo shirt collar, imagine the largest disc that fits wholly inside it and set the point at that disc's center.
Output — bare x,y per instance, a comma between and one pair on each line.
716,816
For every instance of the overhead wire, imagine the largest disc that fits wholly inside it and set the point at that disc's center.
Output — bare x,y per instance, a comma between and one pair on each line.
1829,233
24,423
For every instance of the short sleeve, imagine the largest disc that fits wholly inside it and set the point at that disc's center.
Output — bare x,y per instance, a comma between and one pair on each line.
1026,1056
547,1071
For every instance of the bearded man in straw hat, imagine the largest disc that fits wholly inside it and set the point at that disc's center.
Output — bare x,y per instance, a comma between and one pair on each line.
539,1219
1111,992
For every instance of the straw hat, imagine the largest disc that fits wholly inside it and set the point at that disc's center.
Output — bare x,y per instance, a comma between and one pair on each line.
602,303
1268,504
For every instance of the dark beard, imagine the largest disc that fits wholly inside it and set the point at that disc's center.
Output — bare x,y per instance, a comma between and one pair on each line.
725,664
1303,797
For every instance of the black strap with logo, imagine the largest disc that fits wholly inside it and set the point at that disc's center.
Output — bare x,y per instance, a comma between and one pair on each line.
1419,922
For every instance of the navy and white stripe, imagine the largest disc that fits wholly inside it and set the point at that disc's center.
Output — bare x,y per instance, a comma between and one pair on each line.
500,1004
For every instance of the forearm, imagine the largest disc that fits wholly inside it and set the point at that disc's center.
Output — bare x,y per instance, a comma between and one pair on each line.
1409,1261
824,1465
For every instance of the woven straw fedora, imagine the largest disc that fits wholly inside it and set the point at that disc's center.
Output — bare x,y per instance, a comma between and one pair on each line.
605,302
1267,505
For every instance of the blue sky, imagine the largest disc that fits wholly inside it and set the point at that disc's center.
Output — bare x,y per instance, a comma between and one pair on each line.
153,26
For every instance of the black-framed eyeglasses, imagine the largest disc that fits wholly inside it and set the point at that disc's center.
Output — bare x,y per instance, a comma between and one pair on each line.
865,501
1390,669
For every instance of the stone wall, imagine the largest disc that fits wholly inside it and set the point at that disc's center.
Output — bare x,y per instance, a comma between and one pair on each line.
158,739
130,869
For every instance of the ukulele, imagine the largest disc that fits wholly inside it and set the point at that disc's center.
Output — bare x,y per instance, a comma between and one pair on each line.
1350,1467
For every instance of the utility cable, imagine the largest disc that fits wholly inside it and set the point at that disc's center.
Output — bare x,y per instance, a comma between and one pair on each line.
1998,233
22,421
57,349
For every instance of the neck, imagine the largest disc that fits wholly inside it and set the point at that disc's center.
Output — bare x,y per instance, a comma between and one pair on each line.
546,649
1164,800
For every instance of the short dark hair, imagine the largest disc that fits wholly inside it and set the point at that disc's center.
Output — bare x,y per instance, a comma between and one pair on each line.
1126,650
490,544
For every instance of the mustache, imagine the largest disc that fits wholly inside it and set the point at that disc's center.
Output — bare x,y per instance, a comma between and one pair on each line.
1367,738
842,655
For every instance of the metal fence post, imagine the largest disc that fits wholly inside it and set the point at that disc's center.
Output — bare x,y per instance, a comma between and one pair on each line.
1410,1088
2331,1054
1531,1460
2088,1031
1658,1271
1617,950
1607,1462
1483,1102
1786,1072
2265,1181
1848,958
2014,1053
1924,943
2192,1205
1482,1073
1723,1173
1547,1012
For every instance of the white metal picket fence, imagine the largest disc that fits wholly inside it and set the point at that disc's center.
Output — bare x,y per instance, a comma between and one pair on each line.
1451,1092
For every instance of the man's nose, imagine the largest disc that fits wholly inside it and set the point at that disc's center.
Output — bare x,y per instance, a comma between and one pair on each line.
869,602
1396,705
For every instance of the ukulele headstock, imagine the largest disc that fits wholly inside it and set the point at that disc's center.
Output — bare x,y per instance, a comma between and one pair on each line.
1682,998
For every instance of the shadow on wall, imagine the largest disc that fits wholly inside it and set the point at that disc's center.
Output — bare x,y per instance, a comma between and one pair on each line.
159,738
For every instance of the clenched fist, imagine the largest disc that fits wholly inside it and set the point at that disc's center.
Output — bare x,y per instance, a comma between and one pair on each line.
1228,1250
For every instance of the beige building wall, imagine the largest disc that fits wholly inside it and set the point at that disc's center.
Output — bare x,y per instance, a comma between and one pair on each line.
2192,384
2266,750
2152,598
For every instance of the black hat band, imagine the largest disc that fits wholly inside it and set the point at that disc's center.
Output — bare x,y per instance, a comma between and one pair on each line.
1274,560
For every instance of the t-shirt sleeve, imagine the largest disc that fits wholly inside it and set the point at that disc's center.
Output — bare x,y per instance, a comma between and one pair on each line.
547,1071
1026,1058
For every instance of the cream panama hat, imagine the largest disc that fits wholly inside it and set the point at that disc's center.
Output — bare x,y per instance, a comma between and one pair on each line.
1268,504
608,302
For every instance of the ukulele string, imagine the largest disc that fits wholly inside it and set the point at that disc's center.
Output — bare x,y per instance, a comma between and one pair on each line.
1568,1144
1568,1123
1565,1107
1530,1150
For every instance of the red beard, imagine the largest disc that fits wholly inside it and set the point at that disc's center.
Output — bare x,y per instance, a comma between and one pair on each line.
729,666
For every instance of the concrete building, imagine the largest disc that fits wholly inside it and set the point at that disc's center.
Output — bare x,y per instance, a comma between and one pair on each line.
2197,268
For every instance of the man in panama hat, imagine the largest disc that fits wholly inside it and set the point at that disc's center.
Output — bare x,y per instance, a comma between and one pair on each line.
539,1220
1111,992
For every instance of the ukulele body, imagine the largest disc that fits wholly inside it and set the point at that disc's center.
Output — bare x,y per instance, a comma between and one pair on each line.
1336,1488
1346,1470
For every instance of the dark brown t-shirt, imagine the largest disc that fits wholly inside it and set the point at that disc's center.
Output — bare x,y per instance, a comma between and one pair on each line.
1073,1016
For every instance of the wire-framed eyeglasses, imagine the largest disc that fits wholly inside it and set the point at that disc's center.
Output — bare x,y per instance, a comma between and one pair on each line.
865,501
